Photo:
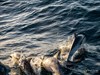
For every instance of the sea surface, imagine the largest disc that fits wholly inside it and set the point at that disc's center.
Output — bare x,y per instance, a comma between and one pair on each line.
37,27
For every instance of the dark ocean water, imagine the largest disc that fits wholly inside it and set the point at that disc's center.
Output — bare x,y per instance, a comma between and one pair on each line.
37,27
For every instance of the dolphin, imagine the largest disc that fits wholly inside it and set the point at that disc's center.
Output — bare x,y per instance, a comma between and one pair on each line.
72,51
77,51
20,65
50,65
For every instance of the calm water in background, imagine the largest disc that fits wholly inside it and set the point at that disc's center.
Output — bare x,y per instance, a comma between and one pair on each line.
37,27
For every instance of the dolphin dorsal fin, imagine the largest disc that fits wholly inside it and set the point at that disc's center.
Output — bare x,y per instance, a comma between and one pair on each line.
75,35
57,54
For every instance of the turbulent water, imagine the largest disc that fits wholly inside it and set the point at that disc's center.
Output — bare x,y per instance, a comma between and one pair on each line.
37,27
